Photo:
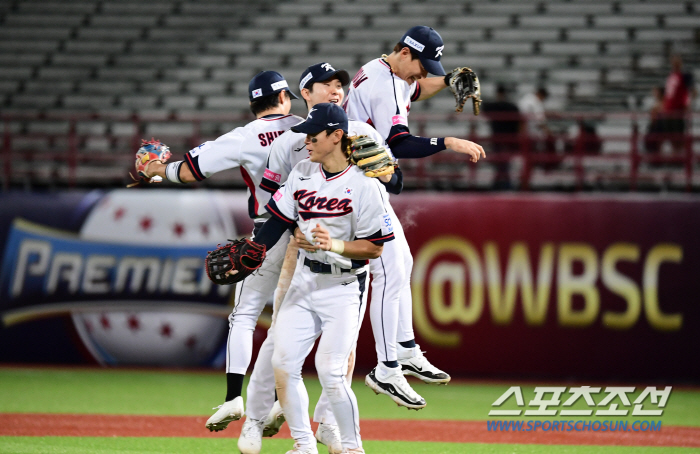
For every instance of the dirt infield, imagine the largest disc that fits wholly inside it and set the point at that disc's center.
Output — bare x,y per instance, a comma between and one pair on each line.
33,424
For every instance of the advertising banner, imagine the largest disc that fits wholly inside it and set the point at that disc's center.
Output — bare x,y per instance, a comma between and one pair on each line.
561,286
527,285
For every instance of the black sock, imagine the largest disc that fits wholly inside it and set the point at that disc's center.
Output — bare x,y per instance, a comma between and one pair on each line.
391,363
408,344
234,386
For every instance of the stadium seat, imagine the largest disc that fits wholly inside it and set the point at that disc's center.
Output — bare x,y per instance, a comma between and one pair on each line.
683,21
549,21
91,101
98,33
595,35
121,20
136,7
181,102
29,32
54,7
140,101
62,20
80,60
472,21
207,87
75,46
106,87
652,8
491,48
182,73
564,8
618,21
38,101
518,34
569,48
64,73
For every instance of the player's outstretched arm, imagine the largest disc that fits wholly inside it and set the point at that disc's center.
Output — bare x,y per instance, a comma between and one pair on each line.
430,86
158,168
358,249
471,149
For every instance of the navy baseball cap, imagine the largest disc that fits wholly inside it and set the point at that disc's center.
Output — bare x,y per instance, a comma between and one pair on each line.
427,43
266,83
320,72
326,115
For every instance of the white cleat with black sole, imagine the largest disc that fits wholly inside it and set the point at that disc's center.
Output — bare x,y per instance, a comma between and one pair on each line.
413,362
226,413
390,381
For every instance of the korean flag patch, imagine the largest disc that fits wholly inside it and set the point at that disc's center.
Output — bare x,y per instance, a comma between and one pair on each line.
387,227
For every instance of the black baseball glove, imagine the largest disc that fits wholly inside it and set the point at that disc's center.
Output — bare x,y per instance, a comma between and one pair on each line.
464,84
244,256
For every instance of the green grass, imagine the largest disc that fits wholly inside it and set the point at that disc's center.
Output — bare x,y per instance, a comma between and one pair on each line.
115,391
153,445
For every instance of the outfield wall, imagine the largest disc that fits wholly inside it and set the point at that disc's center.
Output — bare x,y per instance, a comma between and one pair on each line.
527,285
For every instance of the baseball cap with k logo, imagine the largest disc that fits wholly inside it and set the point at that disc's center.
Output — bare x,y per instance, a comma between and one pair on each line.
428,45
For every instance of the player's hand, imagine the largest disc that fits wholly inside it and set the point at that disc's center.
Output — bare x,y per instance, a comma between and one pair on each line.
303,242
322,239
471,149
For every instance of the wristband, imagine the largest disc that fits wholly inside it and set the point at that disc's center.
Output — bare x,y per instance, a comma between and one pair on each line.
337,246
172,172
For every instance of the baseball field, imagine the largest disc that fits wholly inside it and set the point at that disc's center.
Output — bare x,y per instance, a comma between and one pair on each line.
92,410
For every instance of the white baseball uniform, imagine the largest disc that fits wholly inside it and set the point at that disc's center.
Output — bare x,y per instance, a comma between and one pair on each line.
383,100
246,147
388,274
350,206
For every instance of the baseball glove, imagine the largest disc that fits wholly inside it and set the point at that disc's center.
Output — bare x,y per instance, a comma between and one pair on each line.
464,84
150,151
244,256
371,157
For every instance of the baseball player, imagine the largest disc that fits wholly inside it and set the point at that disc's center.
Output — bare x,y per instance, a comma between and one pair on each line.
381,94
321,83
344,220
246,147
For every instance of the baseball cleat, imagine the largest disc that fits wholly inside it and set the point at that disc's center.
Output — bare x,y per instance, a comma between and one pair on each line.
299,450
250,441
353,451
273,421
227,412
414,363
329,435
390,381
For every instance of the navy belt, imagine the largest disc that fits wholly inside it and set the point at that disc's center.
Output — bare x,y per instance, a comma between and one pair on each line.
323,268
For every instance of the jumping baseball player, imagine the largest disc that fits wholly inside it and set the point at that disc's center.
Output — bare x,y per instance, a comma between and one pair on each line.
380,95
246,147
321,83
342,214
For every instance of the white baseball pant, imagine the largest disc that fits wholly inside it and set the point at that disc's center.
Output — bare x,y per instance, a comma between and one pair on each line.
329,306
251,296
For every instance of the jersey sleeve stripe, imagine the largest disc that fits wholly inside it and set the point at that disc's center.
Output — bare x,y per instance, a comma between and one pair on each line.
269,186
396,135
274,210
195,168
416,94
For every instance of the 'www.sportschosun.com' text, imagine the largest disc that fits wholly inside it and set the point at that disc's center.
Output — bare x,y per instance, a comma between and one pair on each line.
573,426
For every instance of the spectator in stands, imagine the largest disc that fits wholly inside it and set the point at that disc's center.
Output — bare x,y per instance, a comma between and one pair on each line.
655,130
541,140
678,95
506,124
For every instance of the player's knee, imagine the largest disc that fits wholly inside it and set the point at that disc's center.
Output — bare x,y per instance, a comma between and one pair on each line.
329,369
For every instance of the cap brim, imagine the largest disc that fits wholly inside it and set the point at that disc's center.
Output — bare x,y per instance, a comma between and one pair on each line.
433,67
291,93
306,127
341,74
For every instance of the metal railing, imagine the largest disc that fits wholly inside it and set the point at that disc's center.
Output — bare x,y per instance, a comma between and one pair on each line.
560,159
